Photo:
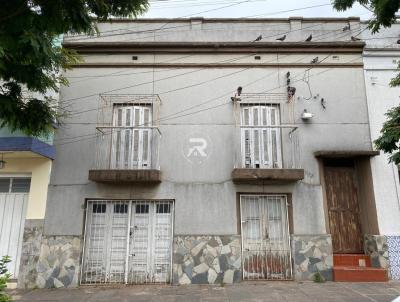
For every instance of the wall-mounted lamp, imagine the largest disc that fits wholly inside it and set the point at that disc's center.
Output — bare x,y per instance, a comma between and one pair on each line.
305,116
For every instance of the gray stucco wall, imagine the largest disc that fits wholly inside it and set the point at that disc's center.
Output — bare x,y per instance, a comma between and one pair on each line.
205,196
204,193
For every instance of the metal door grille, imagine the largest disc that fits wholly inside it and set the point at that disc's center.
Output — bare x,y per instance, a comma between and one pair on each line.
265,237
128,242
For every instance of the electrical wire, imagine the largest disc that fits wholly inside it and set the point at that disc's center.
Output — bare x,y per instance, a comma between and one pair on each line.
187,25
91,136
174,117
198,69
181,88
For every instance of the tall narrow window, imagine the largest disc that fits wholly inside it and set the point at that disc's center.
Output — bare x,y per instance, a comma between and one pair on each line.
131,142
261,136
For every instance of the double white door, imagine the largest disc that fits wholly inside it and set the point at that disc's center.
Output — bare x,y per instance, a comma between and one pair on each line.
128,242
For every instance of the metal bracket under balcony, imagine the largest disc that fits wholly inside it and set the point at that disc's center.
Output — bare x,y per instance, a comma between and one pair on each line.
125,176
266,176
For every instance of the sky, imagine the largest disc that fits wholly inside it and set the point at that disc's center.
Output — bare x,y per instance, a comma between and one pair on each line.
248,8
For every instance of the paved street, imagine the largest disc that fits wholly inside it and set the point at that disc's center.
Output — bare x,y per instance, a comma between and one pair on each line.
249,292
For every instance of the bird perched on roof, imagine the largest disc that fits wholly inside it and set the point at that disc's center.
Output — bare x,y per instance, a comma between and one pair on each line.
309,38
259,38
281,38
347,27
315,60
398,41
354,39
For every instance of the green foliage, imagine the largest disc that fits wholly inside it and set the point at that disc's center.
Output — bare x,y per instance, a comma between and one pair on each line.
384,16
318,278
384,11
396,80
29,60
4,277
390,135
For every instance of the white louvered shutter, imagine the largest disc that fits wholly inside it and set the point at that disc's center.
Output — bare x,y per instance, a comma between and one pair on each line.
131,147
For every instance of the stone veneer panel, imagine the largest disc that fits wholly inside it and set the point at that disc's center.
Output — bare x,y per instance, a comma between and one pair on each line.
393,243
311,254
59,262
207,259
30,252
376,247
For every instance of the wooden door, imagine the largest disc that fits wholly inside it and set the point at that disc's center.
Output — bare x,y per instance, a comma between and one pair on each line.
343,209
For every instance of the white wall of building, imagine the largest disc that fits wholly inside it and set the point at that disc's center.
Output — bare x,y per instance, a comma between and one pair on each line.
381,57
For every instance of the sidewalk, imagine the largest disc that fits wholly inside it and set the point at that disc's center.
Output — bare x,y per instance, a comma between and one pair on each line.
245,291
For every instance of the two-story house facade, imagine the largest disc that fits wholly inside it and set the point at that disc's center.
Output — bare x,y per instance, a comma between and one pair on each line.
207,151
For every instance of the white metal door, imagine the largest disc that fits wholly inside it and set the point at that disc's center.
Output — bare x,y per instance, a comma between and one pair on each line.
13,204
150,242
131,144
265,237
261,141
128,242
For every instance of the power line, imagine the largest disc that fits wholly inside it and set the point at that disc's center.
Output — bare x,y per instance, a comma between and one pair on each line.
213,29
173,116
85,36
194,55
177,89
186,25
150,82
192,113
194,4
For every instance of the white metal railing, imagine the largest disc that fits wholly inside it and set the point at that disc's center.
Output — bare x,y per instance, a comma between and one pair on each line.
127,147
267,147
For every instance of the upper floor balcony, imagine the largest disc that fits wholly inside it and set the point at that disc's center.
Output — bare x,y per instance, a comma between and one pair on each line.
266,151
127,146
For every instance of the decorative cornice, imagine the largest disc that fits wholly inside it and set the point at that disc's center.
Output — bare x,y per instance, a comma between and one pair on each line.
213,47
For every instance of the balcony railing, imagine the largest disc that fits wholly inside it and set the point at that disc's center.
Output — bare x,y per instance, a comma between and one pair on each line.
267,153
127,148
268,147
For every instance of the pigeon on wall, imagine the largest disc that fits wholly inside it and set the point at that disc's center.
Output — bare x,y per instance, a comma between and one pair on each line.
346,28
259,38
309,38
354,39
281,38
315,60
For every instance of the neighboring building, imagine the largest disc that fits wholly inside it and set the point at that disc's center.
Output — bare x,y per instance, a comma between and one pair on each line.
25,167
381,58
24,180
167,172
